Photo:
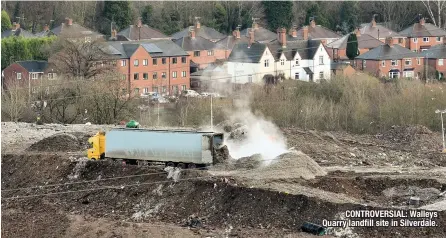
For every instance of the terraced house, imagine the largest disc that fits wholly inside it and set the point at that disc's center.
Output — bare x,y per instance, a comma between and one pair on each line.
152,66
435,59
421,36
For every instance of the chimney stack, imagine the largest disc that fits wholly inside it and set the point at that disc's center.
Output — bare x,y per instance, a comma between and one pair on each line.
236,33
422,21
389,41
192,32
281,33
373,21
305,30
46,27
114,33
139,23
69,21
251,37
15,26
358,32
312,22
197,23
293,31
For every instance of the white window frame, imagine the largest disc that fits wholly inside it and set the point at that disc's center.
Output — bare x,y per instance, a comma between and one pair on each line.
321,60
34,76
19,76
425,39
174,74
394,61
406,73
123,63
146,90
364,64
266,63
183,87
282,62
136,63
297,62
296,76
438,38
394,73
210,52
415,40
383,63
422,50
321,75
183,74
145,62
440,62
250,78
407,60
163,75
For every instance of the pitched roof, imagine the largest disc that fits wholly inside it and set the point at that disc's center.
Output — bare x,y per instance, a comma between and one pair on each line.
385,52
43,33
242,54
132,32
74,30
306,49
204,31
374,31
435,52
365,41
18,32
33,65
260,34
317,32
228,42
419,30
156,48
198,43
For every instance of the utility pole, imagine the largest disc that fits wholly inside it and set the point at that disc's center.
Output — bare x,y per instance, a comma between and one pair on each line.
442,128
212,117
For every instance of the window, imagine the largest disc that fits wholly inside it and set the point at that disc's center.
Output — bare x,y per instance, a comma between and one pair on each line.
155,89
419,61
196,53
426,39
422,50
154,61
174,60
394,75
438,38
164,89
321,75
145,76
440,62
266,63
51,75
408,74
146,90
136,90
34,76
136,62
19,75
415,40
155,75
400,40
174,74
183,74
321,59
297,61
175,89
282,62
408,62
394,62
163,75
383,63
364,64
135,76
123,63
145,62
296,75
163,60
249,78
183,87
210,52
183,60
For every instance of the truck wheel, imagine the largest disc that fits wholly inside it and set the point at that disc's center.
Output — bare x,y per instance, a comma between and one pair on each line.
170,164
181,166
191,166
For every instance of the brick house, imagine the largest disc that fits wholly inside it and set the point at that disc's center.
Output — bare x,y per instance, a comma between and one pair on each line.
229,42
435,59
153,66
381,32
338,48
17,31
202,52
316,32
30,73
390,60
139,31
261,35
422,36
200,31
71,30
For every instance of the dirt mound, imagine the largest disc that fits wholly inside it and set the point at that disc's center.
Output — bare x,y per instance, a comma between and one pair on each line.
291,165
61,142
249,162
221,155
417,137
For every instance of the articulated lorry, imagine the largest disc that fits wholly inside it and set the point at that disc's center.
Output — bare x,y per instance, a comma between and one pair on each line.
185,149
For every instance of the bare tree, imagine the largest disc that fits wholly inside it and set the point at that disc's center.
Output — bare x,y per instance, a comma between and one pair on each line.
435,13
14,103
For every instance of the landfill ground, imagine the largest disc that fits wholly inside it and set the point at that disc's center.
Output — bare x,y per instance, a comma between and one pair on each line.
50,190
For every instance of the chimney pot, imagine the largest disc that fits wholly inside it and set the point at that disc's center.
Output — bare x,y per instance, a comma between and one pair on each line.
305,32
251,37
422,21
358,32
236,33
255,25
373,22
69,21
46,27
313,23
197,24
114,33
281,33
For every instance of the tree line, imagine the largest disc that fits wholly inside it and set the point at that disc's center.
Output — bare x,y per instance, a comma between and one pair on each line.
169,16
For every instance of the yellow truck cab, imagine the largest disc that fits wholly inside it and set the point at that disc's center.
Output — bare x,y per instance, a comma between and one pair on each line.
97,143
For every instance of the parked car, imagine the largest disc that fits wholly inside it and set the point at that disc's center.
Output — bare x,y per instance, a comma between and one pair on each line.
159,99
149,95
216,95
205,94
190,93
